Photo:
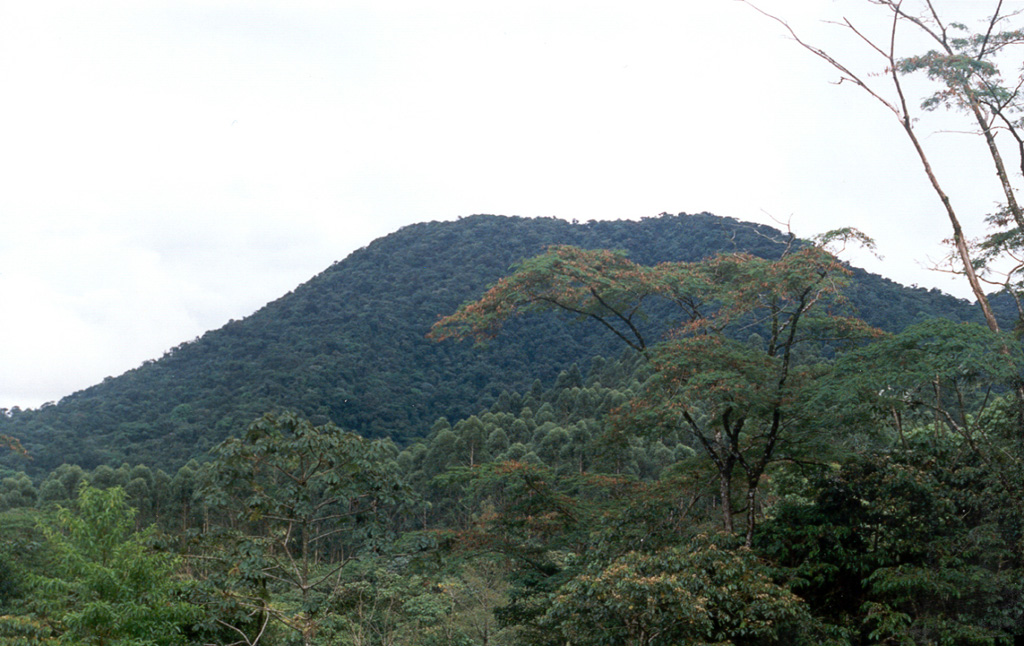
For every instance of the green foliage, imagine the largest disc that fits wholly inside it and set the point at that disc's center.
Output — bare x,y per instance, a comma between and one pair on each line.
552,504
349,345
301,500
105,585
960,356
386,601
953,377
548,527
740,401
699,593
21,553
287,470
915,548
17,491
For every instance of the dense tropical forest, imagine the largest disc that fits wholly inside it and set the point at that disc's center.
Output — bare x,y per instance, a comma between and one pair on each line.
685,430
681,430
350,345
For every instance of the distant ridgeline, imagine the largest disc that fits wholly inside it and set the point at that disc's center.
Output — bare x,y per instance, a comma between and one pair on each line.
349,345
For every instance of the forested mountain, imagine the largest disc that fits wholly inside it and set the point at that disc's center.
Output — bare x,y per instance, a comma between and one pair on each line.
774,472
350,345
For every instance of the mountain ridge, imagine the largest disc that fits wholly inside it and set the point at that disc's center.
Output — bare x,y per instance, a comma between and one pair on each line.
349,344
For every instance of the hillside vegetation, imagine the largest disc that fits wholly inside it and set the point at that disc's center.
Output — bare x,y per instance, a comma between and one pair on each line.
349,346
754,462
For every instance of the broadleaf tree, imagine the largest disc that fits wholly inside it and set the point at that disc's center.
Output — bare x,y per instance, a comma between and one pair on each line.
106,585
300,502
740,402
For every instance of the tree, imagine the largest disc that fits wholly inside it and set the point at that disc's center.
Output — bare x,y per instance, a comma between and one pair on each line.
17,491
966,68
107,586
908,547
739,401
471,439
301,501
938,379
385,605
62,484
13,444
699,593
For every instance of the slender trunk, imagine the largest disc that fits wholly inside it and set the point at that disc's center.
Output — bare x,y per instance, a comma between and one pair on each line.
308,623
724,459
898,422
725,493
997,159
1018,217
725,463
751,510
900,110
959,242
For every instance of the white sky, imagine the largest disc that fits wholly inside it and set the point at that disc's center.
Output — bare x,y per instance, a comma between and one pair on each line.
168,166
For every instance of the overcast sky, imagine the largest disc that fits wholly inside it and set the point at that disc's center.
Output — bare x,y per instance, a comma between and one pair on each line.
168,166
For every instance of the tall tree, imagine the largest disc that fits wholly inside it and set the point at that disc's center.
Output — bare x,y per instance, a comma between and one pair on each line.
965,65
739,401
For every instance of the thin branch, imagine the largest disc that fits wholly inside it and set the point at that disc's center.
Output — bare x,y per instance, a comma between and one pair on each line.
259,635
988,33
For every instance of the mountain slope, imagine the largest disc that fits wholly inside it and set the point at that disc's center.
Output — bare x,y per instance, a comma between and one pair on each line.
349,345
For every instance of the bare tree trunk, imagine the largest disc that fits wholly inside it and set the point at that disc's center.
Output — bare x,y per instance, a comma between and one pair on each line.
959,242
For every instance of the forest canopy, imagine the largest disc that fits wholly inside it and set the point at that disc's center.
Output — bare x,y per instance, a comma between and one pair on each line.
350,347
499,431
758,465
